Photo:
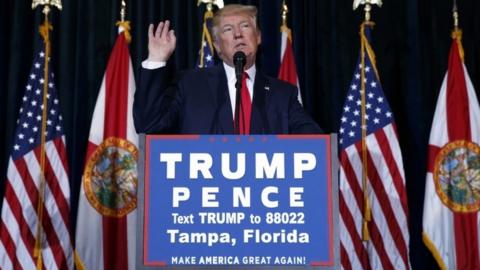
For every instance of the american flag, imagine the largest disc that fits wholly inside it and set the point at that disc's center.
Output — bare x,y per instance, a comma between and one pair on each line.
205,54
18,227
388,228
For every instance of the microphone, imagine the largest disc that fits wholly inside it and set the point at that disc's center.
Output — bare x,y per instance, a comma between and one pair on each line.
239,60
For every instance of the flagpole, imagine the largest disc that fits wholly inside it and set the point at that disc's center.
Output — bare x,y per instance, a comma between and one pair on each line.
457,32
455,15
364,47
123,23
284,13
45,33
284,28
208,14
205,31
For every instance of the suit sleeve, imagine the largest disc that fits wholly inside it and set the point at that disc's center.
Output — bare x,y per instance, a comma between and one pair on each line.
299,122
157,102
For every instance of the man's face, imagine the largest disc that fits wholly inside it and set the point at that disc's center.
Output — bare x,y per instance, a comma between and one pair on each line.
237,33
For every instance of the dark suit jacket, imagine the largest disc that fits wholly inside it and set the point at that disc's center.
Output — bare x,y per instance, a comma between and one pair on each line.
198,103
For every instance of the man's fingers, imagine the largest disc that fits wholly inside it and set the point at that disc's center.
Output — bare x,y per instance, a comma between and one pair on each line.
165,30
150,31
162,33
159,30
171,35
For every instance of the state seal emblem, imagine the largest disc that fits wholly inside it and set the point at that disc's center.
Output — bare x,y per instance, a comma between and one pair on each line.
110,177
457,176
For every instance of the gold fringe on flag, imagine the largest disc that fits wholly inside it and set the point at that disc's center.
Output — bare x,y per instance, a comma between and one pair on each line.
436,254
44,32
366,49
78,261
457,36
206,37
126,29
366,204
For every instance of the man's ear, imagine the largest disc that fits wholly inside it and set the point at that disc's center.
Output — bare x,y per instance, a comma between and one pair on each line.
217,48
259,37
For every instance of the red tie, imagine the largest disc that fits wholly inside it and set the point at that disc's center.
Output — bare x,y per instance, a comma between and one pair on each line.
245,107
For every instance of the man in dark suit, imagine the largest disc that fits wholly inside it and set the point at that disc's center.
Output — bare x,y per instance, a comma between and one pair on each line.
203,101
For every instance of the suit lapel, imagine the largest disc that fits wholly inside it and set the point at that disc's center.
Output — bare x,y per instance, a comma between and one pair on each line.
218,84
259,123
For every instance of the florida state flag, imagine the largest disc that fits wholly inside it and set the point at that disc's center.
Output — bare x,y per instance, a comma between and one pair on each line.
288,68
106,223
452,193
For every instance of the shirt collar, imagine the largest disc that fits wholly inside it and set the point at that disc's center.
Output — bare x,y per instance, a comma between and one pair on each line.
231,73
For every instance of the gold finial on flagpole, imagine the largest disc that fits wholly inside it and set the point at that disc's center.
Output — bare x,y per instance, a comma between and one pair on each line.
47,4
368,6
457,32
123,24
284,13
284,27
455,15
211,3
122,11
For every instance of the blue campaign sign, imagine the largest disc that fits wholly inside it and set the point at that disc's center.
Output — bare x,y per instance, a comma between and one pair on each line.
238,200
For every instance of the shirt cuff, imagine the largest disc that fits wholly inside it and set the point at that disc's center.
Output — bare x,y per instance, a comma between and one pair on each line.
153,64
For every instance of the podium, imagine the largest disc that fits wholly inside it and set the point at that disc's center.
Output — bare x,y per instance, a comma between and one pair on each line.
238,202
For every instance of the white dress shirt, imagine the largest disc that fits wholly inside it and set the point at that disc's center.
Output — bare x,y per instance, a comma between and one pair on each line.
231,83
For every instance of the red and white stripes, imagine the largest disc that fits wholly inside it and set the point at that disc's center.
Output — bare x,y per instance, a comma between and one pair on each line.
388,246
19,215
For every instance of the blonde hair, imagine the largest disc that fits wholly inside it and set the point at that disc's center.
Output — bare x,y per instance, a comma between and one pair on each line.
233,9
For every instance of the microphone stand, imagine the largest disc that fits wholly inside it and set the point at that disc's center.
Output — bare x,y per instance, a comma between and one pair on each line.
239,60
238,102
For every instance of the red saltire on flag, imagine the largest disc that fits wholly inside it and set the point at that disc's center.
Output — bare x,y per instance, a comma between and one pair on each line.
380,241
106,221
18,227
452,192
288,69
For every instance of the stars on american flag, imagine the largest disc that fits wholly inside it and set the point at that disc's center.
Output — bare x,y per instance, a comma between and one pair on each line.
205,54
28,133
208,58
377,112
208,54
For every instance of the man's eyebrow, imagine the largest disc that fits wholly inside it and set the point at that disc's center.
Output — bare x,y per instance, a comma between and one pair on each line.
240,22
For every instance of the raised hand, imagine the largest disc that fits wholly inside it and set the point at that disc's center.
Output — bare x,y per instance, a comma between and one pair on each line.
161,43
